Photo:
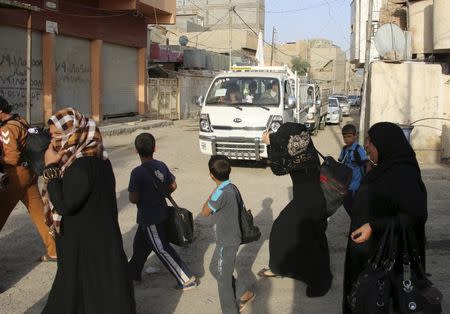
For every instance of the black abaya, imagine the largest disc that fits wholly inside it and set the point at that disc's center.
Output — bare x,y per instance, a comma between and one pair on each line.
298,244
92,266
393,190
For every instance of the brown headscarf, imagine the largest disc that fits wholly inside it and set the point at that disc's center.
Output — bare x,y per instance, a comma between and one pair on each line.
81,137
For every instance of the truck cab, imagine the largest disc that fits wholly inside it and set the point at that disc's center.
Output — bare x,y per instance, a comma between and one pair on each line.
240,105
317,107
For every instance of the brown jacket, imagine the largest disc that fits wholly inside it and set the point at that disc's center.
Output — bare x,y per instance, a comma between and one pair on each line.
12,136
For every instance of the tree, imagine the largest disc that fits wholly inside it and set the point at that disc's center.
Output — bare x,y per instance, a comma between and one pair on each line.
301,66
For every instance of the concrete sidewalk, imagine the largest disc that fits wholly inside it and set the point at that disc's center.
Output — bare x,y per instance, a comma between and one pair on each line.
122,126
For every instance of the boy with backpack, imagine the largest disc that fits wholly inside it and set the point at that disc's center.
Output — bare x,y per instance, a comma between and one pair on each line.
224,206
353,156
152,213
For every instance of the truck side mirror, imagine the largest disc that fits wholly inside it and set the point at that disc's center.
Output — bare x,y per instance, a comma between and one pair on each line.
199,101
292,102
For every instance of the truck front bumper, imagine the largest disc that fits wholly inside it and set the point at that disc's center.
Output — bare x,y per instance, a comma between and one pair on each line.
240,148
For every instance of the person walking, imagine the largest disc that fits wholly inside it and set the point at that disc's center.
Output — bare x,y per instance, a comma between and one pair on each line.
80,198
298,244
223,205
392,190
152,214
23,183
353,156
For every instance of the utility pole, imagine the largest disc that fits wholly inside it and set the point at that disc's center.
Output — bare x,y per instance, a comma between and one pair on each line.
29,56
364,106
273,42
230,42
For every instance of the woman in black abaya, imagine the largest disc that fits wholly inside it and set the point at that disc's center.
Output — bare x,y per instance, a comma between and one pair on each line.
393,189
298,245
80,199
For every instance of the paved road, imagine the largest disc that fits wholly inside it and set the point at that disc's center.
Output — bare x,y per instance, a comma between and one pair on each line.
28,281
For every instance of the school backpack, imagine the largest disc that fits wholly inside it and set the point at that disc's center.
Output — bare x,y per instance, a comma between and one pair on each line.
249,232
335,179
36,143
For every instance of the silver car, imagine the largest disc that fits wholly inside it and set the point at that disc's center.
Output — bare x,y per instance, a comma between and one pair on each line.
334,115
344,104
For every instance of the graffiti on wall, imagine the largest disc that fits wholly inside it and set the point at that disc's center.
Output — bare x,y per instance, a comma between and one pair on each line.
13,80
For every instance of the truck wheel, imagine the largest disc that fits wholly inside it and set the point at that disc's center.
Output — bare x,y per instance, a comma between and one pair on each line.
322,124
315,131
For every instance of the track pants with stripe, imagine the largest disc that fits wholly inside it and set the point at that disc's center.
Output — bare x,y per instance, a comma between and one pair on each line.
153,238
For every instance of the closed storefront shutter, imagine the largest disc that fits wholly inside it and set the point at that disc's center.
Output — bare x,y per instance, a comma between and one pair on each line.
119,79
73,73
13,73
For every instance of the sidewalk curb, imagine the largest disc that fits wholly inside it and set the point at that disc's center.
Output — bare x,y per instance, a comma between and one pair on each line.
130,127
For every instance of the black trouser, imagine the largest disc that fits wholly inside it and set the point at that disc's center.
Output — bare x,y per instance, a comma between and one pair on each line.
153,238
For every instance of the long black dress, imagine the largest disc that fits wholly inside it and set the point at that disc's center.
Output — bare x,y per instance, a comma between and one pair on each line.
393,190
298,244
92,266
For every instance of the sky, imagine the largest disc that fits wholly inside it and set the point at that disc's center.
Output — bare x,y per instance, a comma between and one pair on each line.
307,19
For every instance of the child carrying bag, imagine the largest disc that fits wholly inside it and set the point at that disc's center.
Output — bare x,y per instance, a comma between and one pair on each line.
179,226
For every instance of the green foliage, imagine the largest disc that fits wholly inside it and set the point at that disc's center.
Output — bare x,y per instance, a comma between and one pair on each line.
301,66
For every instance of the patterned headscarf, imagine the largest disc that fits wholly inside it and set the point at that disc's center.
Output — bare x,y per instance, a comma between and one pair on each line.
80,138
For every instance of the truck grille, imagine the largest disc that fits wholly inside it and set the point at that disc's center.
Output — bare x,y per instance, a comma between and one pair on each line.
244,151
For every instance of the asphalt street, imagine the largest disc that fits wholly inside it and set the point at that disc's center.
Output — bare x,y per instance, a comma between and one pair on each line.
27,282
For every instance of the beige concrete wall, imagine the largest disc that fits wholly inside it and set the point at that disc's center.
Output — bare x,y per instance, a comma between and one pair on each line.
403,93
441,25
421,26
217,40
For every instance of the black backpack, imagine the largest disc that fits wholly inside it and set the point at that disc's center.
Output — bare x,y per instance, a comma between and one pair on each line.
36,143
249,232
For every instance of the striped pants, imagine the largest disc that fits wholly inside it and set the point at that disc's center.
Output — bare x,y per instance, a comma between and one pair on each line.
153,238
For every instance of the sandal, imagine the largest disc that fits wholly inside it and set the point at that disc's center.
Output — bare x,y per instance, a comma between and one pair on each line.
244,303
48,258
267,273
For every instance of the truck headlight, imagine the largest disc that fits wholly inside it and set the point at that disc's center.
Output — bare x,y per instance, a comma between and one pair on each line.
276,122
310,116
205,124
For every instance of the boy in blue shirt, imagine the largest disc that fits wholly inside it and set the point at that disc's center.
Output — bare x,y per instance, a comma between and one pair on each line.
223,205
353,156
152,214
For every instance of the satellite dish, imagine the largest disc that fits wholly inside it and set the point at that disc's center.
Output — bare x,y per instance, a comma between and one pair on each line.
183,40
390,42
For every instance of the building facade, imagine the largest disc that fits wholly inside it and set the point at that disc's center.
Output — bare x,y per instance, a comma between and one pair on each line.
90,55
214,14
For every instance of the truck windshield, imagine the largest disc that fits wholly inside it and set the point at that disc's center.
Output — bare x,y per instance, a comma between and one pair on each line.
244,91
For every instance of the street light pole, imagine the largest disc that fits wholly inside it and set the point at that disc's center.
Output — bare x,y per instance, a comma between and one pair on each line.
364,106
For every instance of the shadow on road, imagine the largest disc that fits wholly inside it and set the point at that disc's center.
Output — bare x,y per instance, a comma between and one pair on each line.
20,251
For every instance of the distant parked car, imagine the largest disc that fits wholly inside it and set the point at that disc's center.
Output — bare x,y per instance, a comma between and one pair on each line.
344,104
354,100
334,115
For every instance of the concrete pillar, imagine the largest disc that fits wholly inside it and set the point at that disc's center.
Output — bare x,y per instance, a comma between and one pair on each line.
142,81
96,80
48,74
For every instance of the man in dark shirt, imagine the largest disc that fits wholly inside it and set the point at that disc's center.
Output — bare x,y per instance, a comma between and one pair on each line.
152,214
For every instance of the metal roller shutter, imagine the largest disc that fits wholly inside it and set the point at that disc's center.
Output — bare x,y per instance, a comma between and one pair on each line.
13,74
73,73
119,79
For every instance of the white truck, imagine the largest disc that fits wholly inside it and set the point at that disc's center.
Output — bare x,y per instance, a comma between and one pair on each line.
315,101
243,103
